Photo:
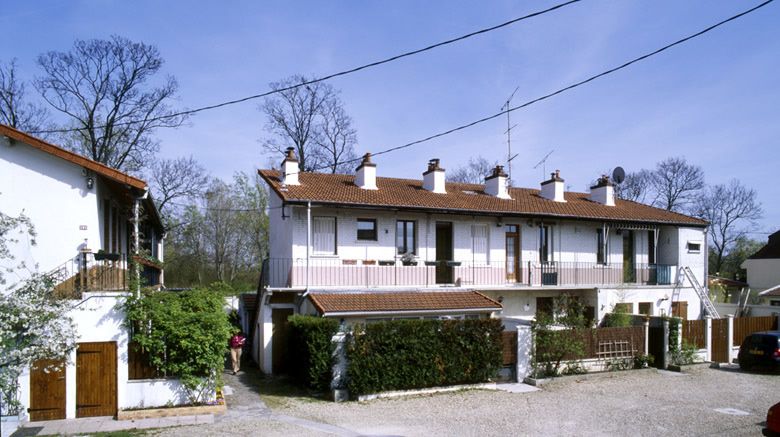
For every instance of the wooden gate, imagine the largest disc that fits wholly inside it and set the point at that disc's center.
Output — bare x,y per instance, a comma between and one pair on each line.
509,353
720,336
47,390
96,379
655,344
280,338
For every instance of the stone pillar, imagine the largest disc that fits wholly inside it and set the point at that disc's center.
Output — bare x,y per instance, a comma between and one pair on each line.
679,334
665,356
708,338
338,384
730,339
646,324
525,345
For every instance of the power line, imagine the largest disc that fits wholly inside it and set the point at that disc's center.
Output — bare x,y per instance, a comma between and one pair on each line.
324,78
567,88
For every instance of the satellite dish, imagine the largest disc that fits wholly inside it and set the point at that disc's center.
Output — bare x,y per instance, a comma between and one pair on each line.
618,175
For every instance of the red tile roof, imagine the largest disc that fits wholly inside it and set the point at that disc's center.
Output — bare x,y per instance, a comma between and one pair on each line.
401,301
339,189
97,167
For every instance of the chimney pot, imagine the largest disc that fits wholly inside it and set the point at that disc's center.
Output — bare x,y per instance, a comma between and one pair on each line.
553,189
290,168
603,192
495,184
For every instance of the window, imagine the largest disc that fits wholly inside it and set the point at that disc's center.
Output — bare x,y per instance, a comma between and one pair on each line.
625,308
366,229
646,308
323,233
603,247
694,246
480,242
406,237
545,244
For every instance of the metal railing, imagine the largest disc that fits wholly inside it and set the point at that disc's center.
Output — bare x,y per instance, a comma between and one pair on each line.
354,273
90,272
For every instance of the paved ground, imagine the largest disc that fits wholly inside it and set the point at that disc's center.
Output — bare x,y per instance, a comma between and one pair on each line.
702,402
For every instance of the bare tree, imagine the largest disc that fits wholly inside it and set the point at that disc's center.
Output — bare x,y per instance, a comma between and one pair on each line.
102,85
311,119
676,183
336,138
635,187
728,208
180,178
474,172
15,110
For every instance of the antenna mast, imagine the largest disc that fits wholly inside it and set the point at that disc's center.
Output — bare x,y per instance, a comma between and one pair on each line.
542,162
508,133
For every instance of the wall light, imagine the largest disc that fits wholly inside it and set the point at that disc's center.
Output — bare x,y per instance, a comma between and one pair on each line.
90,182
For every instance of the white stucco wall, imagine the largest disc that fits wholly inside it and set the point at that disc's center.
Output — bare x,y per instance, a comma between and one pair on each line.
762,273
99,319
53,194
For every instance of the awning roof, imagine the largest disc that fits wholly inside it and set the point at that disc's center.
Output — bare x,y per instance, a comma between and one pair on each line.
332,304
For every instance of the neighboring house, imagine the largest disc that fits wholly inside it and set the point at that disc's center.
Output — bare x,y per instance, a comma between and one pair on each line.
85,215
366,248
763,271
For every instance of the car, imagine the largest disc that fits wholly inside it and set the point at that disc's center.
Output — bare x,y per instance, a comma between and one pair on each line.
760,349
773,420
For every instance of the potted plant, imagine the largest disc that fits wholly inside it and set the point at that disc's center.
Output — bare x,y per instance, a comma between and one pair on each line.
408,259
453,263
431,263
387,262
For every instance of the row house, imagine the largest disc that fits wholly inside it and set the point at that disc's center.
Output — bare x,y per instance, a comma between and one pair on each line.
364,248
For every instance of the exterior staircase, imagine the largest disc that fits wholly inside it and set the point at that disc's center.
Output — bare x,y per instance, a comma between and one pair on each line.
701,291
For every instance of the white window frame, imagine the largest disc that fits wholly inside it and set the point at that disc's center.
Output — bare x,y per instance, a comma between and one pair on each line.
696,242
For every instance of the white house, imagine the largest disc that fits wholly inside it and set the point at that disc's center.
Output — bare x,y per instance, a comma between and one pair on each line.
375,248
88,219
763,271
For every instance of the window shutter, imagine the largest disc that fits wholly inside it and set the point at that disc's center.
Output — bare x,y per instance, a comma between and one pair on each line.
324,235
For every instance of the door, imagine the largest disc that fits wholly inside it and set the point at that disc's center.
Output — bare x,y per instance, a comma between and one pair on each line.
96,379
512,235
629,272
443,252
280,339
47,391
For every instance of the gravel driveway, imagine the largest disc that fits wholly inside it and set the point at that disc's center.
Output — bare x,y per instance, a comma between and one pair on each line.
646,402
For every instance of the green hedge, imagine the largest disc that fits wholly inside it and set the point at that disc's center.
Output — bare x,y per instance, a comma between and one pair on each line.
311,350
407,354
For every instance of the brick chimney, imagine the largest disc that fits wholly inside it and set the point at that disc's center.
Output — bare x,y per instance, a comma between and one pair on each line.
290,168
552,189
603,192
495,184
365,175
433,178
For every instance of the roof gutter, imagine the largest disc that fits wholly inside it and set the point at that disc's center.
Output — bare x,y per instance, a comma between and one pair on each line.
407,312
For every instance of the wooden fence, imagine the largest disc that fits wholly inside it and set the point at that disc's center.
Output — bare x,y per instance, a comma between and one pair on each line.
744,326
693,332
509,339
605,343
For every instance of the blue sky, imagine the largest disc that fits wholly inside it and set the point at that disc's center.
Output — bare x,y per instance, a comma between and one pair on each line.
713,100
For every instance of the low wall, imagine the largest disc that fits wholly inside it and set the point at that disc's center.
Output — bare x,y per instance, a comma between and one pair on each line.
150,393
755,310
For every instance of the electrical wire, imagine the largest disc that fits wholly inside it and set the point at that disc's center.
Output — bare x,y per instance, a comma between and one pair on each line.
324,78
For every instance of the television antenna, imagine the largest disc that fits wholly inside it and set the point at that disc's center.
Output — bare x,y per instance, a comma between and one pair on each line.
542,162
509,127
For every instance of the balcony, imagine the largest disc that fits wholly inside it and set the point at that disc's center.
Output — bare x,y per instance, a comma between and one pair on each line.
351,273
90,272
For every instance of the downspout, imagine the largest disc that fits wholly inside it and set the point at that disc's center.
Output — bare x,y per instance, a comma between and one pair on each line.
137,243
308,243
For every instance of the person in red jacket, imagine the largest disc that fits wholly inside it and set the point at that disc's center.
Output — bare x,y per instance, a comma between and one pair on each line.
236,344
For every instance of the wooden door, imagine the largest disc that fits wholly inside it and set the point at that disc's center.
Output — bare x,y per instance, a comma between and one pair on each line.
513,273
680,309
47,390
96,379
443,252
280,339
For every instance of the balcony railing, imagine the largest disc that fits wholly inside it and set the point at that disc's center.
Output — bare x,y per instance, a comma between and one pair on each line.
351,273
90,272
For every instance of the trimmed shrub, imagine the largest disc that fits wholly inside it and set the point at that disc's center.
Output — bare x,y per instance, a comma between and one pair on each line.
408,354
311,345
